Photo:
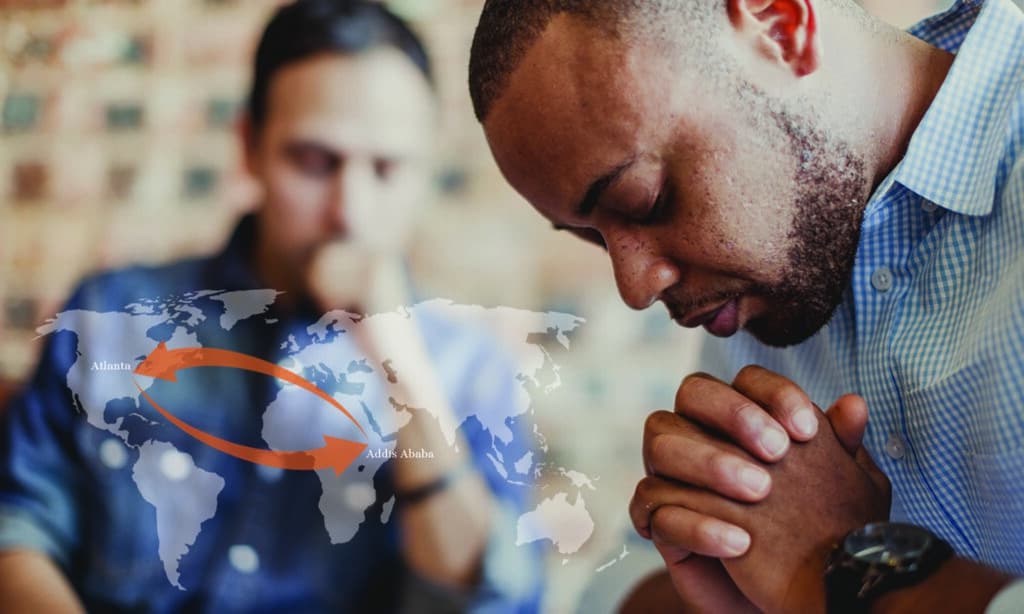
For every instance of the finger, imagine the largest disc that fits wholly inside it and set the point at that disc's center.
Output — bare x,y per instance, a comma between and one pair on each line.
650,495
679,529
704,586
716,405
849,419
678,450
783,399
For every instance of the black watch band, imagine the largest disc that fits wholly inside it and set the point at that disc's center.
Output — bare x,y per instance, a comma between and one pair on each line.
852,587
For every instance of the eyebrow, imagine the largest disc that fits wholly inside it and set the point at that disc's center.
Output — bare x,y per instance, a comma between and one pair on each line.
597,189
331,150
304,143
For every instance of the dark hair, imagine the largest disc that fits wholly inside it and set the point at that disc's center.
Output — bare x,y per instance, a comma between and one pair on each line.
509,28
306,28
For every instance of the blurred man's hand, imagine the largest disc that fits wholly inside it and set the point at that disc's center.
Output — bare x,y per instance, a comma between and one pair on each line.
443,537
356,277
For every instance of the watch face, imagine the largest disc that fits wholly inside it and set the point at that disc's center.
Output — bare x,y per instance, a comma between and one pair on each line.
888,544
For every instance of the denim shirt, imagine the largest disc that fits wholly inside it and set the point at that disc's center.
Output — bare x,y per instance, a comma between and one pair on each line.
143,518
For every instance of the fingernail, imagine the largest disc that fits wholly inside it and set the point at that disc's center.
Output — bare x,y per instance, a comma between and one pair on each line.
805,422
735,541
774,441
756,480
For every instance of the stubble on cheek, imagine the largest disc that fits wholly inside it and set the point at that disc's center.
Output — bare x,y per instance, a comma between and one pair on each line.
831,193
746,231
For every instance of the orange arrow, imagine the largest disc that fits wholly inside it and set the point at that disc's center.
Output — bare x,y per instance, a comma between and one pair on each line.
163,364
336,454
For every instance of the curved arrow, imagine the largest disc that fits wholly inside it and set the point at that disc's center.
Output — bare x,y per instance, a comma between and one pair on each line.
163,364
336,454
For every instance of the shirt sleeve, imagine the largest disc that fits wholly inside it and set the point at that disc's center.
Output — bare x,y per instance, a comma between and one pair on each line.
40,473
488,390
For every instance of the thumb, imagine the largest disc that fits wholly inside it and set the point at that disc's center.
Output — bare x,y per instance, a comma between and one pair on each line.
877,475
849,419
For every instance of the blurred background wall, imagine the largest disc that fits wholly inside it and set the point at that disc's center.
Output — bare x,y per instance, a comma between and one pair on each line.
117,146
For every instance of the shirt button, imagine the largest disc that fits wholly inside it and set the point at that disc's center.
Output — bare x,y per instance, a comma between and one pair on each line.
113,454
881,280
929,206
895,448
243,558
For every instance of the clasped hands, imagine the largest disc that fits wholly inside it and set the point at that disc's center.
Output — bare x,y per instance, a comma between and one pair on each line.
748,486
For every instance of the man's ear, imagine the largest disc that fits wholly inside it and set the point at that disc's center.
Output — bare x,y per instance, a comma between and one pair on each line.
247,137
784,31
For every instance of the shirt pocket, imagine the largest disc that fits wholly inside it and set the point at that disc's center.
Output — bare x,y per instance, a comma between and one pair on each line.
996,486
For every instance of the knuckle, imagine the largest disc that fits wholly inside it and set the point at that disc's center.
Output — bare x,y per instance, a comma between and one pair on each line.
663,522
749,372
742,414
670,526
704,534
786,398
643,495
691,386
636,513
715,468
657,423
659,451
644,504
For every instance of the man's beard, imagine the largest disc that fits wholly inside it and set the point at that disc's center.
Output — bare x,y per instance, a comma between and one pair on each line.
832,189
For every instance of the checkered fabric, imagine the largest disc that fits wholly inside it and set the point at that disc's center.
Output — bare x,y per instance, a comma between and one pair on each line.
931,328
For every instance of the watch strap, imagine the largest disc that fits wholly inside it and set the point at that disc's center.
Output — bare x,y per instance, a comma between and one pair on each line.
851,588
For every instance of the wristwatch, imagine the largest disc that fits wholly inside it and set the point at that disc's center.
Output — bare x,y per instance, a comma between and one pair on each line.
879,558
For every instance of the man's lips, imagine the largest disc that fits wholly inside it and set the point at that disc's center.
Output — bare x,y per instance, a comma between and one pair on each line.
699,318
721,320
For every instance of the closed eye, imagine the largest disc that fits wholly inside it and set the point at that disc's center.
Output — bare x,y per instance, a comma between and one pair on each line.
313,160
587,234
384,168
657,212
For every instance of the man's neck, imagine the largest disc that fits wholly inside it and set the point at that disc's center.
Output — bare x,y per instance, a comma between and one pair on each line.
275,272
914,73
890,79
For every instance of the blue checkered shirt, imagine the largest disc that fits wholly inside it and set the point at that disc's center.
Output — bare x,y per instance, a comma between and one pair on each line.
931,328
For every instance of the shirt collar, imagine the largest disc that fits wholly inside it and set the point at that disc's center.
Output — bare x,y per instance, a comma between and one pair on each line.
953,156
232,269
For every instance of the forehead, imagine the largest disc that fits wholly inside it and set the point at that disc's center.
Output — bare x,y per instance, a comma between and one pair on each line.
378,98
579,104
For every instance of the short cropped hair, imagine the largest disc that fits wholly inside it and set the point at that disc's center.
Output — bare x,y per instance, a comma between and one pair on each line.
509,28
306,28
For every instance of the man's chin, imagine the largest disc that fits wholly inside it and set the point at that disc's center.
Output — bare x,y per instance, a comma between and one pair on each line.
786,333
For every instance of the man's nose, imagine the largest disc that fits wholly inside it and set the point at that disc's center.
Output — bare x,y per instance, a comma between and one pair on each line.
351,195
641,273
